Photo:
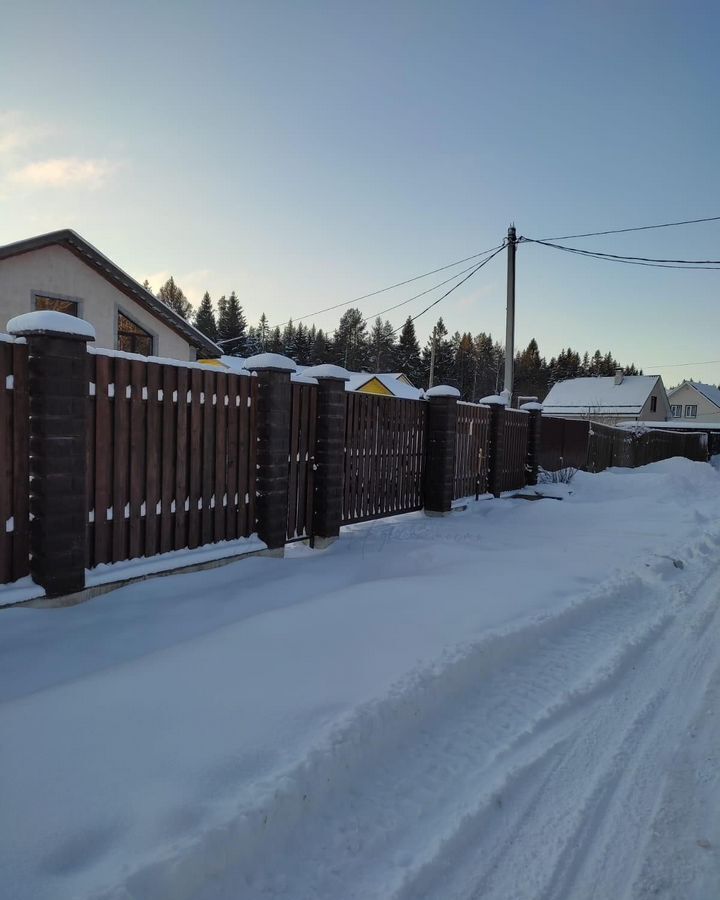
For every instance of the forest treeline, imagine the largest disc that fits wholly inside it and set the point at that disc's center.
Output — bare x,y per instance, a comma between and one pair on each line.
472,363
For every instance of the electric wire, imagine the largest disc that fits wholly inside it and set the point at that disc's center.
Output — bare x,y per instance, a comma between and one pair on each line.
454,288
390,287
567,237
698,264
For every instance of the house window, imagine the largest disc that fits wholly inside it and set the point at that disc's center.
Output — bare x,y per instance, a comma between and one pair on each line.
132,338
71,307
676,411
653,404
691,411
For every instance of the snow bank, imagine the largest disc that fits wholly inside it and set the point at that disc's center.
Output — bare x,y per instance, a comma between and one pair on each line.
313,727
327,371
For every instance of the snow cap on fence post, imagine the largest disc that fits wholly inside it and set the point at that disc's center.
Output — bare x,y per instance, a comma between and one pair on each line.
439,477
328,477
59,390
532,458
272,435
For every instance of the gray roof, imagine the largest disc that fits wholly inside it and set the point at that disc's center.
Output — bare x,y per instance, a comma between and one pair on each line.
708,391
92,257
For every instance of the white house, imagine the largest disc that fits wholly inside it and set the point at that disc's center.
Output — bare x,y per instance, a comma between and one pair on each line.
695,402
618,398
62,271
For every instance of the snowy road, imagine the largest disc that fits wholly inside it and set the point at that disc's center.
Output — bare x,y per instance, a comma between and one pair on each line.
521,702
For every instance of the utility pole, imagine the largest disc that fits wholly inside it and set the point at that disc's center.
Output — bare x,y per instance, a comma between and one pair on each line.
510,313
432,355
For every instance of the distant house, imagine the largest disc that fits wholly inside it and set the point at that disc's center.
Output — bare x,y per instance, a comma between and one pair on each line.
695,402
62,271
618,398
386,384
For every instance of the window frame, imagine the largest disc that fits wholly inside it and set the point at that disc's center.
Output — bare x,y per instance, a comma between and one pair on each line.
122,311
653,403
676,410
53,295
691,410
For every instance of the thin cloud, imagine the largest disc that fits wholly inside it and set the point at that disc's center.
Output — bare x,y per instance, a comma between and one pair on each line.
71,171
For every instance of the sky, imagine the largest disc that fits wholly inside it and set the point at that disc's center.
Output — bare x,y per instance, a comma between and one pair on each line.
305,153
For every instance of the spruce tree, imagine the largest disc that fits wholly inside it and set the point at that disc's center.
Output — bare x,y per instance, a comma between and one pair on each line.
319,349
381,346
232,326
407,354
171,295
205,318
302,345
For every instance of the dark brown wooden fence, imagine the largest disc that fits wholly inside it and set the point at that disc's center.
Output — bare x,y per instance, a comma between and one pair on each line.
471,446
563,443
171,463
384,456
14,458
579,444
302,454
514,456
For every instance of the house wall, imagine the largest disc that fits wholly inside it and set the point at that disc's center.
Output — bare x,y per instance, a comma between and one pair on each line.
662,413
688,396
55,270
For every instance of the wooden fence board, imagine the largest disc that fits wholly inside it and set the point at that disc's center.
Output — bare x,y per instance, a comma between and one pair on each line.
121,453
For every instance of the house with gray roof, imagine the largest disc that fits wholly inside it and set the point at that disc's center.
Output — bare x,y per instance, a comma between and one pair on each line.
613,399
694,402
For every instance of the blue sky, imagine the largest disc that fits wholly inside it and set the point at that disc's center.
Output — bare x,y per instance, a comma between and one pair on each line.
303,153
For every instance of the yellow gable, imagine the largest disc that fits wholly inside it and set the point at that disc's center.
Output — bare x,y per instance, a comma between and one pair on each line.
375,386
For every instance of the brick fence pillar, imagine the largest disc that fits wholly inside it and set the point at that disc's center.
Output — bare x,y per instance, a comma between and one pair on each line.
440,454
496,443
272,421
329,452
534,411
59,389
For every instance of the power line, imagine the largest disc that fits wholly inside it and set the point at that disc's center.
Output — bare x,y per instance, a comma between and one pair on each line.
390,287
567,237
454,288
422,294
708,264
707,362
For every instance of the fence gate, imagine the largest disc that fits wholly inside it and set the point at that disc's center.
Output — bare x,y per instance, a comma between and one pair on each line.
303,411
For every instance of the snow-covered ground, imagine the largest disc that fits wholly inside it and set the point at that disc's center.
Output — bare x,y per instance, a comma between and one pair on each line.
521,700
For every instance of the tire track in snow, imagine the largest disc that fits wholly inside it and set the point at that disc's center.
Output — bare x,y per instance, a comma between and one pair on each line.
366,814
579,829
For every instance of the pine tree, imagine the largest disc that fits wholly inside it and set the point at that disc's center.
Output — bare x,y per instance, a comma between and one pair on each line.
465,364
288,339
146,285
350,346
205,318
232,326
407,354
171,295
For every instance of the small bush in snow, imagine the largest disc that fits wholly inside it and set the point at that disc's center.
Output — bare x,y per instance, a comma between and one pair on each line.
560,476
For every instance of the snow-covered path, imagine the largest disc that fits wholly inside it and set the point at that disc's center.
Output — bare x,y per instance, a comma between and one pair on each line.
521,701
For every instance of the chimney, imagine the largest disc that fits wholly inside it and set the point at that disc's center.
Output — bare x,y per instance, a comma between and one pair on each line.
619,375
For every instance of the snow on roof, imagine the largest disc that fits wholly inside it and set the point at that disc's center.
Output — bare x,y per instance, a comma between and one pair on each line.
708,391
53,321
588,395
